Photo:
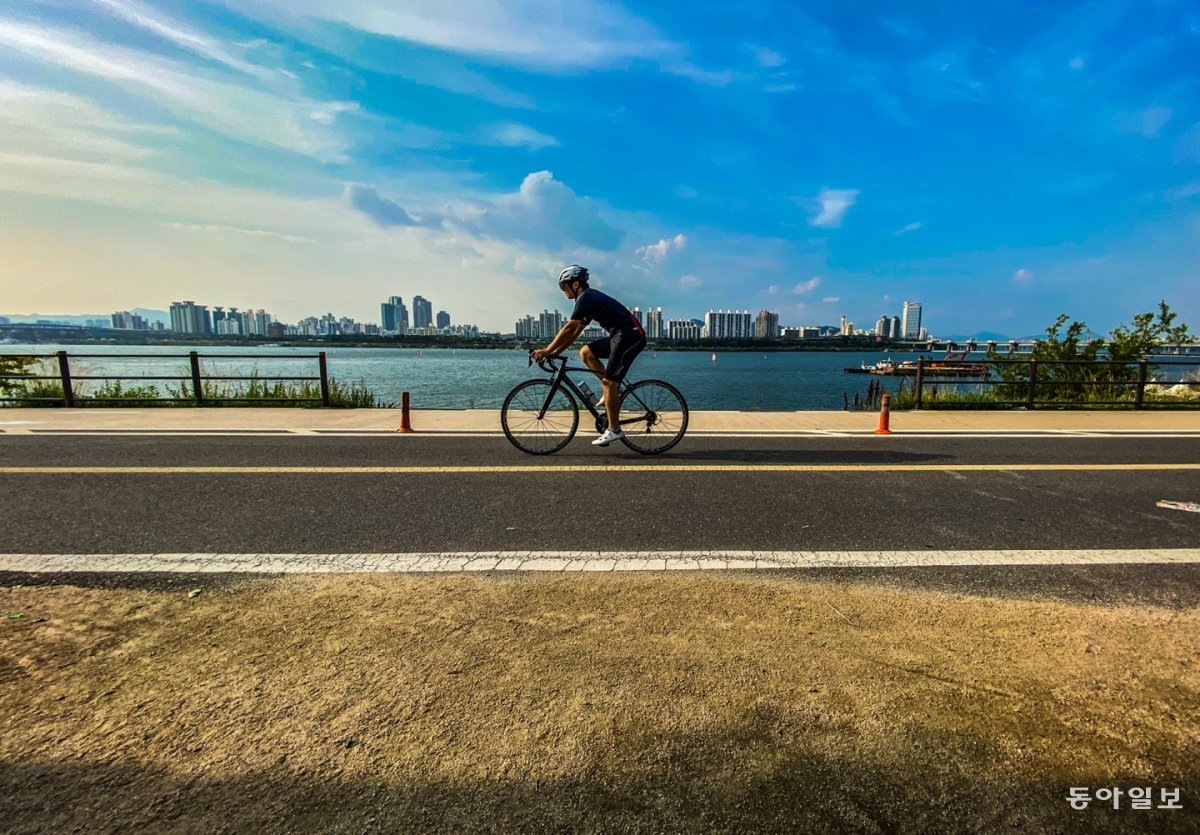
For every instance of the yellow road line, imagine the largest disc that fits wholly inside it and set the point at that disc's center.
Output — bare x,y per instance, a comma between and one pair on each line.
595,468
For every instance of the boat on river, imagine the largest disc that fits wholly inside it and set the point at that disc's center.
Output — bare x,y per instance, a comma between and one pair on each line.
951,365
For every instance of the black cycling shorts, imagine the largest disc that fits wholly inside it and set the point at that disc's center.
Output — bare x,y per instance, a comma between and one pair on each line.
620,349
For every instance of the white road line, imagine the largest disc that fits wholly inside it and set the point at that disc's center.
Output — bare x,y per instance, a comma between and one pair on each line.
597,468
442,434
572,561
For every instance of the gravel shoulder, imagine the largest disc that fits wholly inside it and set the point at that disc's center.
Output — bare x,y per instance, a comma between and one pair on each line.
640,702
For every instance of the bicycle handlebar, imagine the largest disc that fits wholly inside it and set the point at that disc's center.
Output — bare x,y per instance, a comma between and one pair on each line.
542,361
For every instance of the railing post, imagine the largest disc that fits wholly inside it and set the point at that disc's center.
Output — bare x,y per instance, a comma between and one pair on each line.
64,368
197,389
1032,392
1140,393
919,385
324,378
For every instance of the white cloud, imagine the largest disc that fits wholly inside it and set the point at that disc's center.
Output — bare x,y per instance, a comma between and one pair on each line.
41,121
137,187
152,21
773,289
833,205
219,229
1077,63
689,281
831,299
536,33
911,227
514,135
384,211
326,113
1022,276
252,115
807,286
765,57
657,253
545,212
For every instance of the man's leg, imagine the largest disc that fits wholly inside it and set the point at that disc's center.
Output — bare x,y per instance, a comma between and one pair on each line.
590,360
612,403
626,347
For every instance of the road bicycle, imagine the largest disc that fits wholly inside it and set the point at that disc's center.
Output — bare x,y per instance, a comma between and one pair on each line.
542,416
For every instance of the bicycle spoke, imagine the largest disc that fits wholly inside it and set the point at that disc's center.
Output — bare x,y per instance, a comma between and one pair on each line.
539,435
654,416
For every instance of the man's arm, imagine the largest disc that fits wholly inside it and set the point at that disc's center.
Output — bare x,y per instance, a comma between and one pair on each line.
570,331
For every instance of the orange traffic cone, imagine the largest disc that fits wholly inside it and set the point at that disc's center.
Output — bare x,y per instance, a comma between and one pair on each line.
885,414
404,424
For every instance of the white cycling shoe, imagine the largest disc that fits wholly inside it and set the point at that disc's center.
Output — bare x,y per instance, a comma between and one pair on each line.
608,437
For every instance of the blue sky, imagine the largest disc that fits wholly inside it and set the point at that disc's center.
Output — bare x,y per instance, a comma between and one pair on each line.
1001,163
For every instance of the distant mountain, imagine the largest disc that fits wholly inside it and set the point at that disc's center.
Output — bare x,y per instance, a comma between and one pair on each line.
82,318
153,315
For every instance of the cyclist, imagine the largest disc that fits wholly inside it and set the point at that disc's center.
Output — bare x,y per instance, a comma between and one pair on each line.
624,342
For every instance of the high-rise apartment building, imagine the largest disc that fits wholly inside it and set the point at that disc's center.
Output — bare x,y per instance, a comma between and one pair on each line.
126,321
528,328
549,324
722,324
260,322
679,330
895,332
910,320
766,324
637,314
654,323
422,312
393,316
443,319
188,317
883,328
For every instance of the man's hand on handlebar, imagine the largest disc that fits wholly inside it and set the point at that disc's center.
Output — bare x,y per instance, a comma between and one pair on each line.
540,354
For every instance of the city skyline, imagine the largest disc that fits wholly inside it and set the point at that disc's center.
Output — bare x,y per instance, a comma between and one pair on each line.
189,317
1005,163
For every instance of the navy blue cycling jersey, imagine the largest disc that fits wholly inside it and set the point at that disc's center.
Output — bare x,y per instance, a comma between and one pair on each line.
609,313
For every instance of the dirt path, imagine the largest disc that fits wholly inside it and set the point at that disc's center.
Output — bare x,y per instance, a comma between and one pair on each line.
632,702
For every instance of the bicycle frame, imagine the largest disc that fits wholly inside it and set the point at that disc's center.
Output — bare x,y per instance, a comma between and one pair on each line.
560,379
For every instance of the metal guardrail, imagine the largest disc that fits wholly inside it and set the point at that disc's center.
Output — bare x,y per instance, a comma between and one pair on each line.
196,379
1032,382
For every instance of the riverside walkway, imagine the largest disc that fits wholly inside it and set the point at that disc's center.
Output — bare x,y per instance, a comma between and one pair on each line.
298,490
235,619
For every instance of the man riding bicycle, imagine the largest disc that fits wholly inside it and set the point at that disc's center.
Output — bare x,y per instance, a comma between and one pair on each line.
624,342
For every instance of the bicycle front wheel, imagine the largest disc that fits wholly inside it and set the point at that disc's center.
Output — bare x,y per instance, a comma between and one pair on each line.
529,433
654,416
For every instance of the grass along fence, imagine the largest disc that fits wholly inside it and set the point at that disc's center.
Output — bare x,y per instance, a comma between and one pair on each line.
1033,383
52,380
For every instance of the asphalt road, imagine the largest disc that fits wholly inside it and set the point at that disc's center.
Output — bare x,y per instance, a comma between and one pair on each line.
626,509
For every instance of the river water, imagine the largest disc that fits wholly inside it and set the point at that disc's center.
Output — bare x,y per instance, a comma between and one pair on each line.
443,378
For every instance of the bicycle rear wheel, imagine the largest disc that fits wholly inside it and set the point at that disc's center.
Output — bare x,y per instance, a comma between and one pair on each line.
528,433
654,416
